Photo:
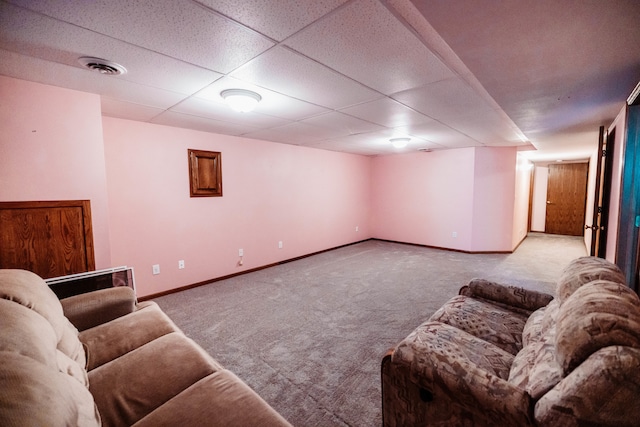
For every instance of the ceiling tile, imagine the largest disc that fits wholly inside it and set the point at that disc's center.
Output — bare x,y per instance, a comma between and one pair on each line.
490,127
272,103
386,112
127,110
297,133
440,134
364,33
24,67
444,99
36,35
220,111
171,118
289,73
277,19
197,35
342,123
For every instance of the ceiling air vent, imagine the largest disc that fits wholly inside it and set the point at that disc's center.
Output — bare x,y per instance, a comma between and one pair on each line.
102,66
424,150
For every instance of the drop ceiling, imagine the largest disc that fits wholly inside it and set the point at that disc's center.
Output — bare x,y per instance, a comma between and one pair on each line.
345,75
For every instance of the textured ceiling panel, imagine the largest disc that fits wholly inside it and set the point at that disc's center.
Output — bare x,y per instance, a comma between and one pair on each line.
342,123
440,134
386,112
277,19
171,118
36,35
297,133
196,35
127,110
401,60
291,74
52,73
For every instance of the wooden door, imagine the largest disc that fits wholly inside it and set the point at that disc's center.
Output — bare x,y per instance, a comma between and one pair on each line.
49,238
566,198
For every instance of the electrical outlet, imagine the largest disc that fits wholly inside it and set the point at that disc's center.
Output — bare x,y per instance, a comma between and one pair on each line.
280,244
240,252
357,228
454,234
181,264
156,268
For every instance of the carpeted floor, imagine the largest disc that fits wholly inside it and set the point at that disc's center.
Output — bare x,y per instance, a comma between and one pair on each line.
309,335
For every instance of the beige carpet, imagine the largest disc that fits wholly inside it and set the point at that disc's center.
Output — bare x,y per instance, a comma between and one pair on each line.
308,335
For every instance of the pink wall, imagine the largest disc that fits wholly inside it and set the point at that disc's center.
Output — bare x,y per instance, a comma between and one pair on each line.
51,149
309,199
493,199
425,198
521,203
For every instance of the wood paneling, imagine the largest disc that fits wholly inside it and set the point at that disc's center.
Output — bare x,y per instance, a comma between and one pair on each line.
566,198
49,238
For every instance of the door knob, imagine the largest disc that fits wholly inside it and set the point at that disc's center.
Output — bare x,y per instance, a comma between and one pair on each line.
548,202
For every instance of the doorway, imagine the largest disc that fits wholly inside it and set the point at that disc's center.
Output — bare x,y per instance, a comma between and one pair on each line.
566,198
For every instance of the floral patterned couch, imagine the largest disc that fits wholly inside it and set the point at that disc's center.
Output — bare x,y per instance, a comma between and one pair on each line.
501,355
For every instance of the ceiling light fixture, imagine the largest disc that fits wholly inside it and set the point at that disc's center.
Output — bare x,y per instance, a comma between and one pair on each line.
241,100
102,66
399,142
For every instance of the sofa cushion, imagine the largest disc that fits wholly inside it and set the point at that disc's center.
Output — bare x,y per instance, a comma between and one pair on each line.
602,391
34,394
235,404
113,339
599,314
28,289
133,385
27,333
492,323
583,270
532,330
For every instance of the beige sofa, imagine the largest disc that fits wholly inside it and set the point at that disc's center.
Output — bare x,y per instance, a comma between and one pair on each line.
500,355
129,364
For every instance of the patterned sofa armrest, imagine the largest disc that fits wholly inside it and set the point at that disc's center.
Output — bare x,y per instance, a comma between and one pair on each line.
91,309
508,296
462,378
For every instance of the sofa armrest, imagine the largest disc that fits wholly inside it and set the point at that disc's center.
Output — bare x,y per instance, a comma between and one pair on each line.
90,309
454,368
509,296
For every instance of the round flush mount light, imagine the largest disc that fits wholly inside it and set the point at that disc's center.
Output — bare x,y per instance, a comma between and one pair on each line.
102,66
241,100
399,142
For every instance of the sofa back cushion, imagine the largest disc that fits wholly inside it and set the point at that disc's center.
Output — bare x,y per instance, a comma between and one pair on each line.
30,290
597,315
33,394
583,270
43,380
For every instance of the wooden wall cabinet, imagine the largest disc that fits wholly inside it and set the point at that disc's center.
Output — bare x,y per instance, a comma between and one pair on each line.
205,173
